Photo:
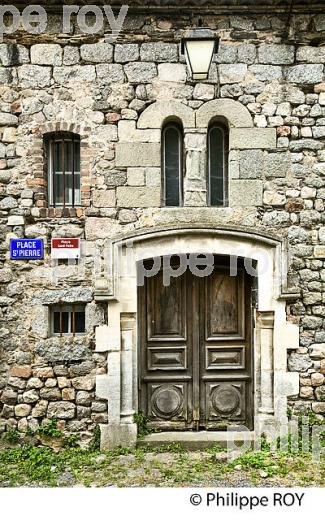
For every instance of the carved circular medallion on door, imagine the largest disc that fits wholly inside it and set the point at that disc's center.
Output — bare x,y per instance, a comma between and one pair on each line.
225,399
166,401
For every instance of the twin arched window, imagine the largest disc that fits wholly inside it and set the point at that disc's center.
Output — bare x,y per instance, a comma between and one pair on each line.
173,165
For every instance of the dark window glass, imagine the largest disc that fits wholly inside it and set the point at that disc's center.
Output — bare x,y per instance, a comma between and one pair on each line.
58,189
56,322
64,169
218,156
79,322
65,322
60,322
172,165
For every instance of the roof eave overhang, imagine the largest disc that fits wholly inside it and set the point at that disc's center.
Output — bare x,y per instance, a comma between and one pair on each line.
192,6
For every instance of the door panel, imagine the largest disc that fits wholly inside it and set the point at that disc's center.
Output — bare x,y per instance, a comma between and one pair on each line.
224,304
225,400
167,358
166,309
165,355
225,357
168,401
225,350
195,354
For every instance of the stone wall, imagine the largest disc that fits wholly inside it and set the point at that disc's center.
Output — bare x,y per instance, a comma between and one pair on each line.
267,79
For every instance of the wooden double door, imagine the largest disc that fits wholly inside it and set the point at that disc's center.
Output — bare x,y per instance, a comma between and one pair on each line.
195,350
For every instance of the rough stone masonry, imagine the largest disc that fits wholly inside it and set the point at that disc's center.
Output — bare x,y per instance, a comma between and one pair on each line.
269,64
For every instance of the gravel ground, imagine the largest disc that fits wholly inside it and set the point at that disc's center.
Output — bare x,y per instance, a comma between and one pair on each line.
148,468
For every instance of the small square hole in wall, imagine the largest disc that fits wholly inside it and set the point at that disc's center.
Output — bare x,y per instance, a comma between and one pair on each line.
68,261
67,320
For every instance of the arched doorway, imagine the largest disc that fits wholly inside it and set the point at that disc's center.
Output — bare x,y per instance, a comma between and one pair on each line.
271,334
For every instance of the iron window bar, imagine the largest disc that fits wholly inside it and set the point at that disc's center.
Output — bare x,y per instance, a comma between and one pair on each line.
71,311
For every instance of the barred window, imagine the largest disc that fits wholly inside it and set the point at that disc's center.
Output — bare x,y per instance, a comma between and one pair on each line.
63,168
217,165
68,320
172,159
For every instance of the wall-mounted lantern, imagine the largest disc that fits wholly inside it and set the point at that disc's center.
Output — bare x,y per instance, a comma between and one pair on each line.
199,46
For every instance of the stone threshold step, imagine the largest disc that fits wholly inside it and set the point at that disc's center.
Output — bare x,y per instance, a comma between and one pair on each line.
198,440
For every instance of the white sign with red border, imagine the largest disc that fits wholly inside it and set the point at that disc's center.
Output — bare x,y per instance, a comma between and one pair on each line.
65,248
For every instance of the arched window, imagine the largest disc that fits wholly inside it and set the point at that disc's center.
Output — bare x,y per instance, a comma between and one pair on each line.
63,169
217,165
172,164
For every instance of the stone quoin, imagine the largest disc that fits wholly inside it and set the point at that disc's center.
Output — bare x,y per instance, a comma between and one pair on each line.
89,132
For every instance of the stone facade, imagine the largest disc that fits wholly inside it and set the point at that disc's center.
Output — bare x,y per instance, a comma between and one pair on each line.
269,84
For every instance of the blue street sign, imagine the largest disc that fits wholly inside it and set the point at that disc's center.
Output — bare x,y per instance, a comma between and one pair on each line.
26,249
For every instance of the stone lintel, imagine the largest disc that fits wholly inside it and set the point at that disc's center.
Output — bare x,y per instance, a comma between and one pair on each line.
114,327
290,336
128,132
16,220
102,386
137,154
319,251
286,384
252,138
245,193
102,338
138,197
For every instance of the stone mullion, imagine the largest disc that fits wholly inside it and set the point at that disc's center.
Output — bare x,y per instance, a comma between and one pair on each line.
195,180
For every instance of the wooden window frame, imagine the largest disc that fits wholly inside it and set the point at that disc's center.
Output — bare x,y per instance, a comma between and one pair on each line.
178,127
62,138
221,126
71,310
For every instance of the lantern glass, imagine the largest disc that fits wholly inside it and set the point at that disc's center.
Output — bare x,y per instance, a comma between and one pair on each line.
199,54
